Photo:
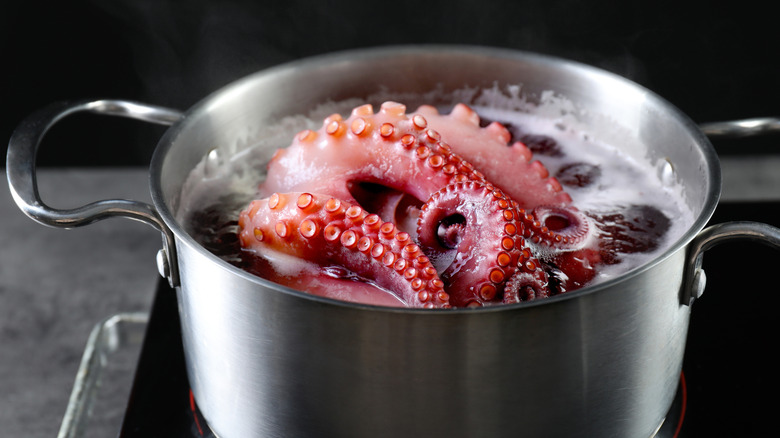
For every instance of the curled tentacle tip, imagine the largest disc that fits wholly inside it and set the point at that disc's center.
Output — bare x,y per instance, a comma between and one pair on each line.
563,228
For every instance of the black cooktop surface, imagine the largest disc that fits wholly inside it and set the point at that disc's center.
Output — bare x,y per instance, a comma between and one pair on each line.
729,372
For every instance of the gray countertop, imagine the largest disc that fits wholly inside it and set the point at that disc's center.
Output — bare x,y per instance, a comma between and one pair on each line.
56,285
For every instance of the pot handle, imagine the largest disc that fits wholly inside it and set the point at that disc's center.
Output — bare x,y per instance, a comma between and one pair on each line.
741,128
695,279
20,169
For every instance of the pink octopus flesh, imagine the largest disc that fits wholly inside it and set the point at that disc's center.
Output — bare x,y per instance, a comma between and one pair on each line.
436,210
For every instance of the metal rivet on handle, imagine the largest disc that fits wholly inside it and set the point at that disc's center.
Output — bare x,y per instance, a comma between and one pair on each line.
162,264
699,284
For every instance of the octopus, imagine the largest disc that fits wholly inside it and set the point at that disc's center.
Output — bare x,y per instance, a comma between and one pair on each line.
437,210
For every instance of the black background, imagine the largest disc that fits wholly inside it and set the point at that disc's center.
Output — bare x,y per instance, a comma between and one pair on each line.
714,61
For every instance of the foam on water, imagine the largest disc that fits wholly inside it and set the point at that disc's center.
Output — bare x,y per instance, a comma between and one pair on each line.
624,179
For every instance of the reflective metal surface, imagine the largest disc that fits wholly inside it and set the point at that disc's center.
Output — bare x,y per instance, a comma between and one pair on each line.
264,360
715,235
104,375
742,128
20,165
23,148
268,361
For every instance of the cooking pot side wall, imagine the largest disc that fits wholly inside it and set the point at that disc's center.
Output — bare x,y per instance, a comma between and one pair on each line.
264,361
260,359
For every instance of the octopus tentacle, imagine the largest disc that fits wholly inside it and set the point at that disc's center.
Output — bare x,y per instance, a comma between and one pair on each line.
484,241
509,167
562,228
560,235
528,283
390,148
327,231
509,234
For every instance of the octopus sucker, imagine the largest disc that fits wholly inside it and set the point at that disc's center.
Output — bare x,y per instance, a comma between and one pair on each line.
564,228
419,121
363,110
403,155
481,251
517,174
526,285
350,246
441,210
393,108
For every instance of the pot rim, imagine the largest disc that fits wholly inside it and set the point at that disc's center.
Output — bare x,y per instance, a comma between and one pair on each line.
711,163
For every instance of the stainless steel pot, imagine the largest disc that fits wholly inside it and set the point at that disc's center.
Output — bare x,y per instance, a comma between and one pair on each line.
265,360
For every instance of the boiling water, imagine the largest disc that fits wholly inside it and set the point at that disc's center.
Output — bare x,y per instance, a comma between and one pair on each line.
638,203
